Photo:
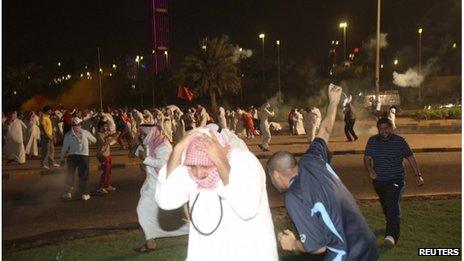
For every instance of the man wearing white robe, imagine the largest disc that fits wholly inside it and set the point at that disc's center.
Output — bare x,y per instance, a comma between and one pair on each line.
222,121
204,116
265,113
150,217
33,135
14,139
229,211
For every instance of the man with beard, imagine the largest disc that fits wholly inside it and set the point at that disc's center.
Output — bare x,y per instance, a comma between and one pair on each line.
383,159
324,212
225,186
155,154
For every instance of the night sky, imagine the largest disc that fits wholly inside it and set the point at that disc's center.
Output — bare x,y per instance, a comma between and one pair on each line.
45,32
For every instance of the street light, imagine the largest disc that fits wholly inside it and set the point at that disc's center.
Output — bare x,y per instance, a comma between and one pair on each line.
262,36
59,63
454,45
278,69
420,59
115,66
344,25
395,62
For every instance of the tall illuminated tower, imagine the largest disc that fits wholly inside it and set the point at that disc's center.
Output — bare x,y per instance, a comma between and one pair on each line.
160,22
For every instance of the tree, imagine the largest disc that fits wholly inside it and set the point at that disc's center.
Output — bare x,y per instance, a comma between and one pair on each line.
212,70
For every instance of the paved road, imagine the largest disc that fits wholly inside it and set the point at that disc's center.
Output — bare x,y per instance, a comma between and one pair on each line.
33,206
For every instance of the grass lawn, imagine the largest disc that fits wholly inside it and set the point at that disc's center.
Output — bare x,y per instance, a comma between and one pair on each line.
425,224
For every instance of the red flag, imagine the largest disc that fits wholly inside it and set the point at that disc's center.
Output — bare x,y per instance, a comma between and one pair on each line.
184,93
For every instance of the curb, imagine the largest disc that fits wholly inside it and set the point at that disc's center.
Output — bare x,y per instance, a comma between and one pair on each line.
357,152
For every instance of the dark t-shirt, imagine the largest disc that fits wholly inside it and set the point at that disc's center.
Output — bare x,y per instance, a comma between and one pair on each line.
388,156
324,211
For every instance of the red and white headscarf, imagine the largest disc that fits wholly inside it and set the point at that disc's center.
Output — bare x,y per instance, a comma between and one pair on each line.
194,156
153,138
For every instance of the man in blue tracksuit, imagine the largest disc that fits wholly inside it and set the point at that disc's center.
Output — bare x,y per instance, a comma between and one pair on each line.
321,207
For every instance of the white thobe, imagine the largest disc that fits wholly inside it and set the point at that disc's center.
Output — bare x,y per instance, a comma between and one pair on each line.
204,117
392,117
151,217
246,231
33,136
14,141
264,127
299,128
222,122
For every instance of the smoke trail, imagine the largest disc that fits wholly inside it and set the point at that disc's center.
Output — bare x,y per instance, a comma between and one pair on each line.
240,53
412,77
371,44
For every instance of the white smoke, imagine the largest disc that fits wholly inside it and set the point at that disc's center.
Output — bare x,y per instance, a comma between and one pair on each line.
240,54
371,44
412,77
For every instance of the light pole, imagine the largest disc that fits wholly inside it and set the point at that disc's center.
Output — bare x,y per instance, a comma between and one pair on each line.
167,58
420,60
278,70
262,36
100,78
343,25
138,59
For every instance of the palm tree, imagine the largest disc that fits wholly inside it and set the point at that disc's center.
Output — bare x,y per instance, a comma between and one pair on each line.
212,70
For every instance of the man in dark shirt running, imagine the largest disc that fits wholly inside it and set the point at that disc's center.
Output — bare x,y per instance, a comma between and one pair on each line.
321,207
383,159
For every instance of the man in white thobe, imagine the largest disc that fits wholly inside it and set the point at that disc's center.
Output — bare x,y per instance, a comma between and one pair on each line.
222,121
33,135
265,113
229,211
204,116
153,220
14,139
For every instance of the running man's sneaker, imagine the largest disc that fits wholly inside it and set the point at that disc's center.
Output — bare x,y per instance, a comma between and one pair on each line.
389,240
85,197
110,188
102,191
67,196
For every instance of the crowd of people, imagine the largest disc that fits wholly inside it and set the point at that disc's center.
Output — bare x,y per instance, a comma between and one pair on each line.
204,175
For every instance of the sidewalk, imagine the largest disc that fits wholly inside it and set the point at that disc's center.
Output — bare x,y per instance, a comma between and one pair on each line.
294,144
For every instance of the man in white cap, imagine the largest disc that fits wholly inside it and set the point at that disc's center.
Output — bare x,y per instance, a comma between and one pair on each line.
155,154
225,186
77,142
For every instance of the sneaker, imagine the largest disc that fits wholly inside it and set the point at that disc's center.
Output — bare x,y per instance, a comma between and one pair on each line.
102,191
45,167
67,196
85,197
389,240
110,188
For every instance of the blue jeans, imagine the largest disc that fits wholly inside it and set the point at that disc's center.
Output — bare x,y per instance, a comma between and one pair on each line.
81,163
389,193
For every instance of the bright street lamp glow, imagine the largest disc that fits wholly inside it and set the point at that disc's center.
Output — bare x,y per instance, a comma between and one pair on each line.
343,25
395,62
82,75
381,66
101,70
114,66
240,49
454,45
336,42
59,64
261,36
203,47
420,30
88,73
278,42
165,52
